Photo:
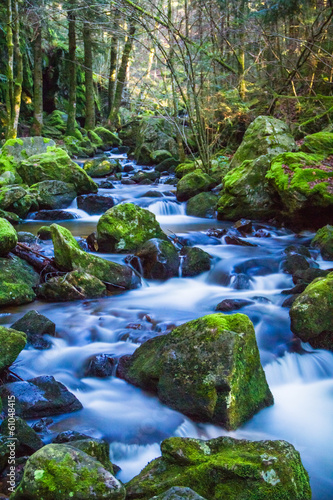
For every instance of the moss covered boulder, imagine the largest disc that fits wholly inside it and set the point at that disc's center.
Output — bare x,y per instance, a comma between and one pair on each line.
17,282
208,369
324,241
312,313
194,183
62,472
202,205
21,149
12,342
185,168
320,143
70,257
53,194
304,185
154,134
101,167
194,261
265,136
225,468
159,259
73,286
55,164
18,200
124,228
109,139
8,237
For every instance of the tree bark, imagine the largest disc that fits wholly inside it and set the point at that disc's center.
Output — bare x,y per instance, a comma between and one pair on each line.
72,72
38,84
113,62
89,82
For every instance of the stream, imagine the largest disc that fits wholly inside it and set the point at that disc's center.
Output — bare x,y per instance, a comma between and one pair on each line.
135,422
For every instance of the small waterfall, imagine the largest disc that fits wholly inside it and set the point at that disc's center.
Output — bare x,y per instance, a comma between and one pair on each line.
180,273
167,207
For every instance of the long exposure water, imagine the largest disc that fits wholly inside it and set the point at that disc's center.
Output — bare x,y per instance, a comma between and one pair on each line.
135,422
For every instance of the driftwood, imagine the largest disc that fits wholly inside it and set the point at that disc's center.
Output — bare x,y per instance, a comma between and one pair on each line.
42,264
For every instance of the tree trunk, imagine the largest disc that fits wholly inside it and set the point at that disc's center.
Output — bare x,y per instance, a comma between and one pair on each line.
122,74
38,84
89,83
113,62
71,122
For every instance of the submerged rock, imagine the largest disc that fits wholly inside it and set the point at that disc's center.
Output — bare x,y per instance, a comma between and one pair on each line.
73,286
95,204
324,241
35,325
39,397
208,369
224,468
69,257
194,183
228,305
124,228
159,259
312,313
8,237
53,194
17,281
100,366
62,472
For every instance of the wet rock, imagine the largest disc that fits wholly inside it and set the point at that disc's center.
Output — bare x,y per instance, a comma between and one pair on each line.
178,493
297,249
53,194
28,238
12,342
27,440
56,165
124,228
10,216
241,282
234,240
167,165
42,425
44,233
262,233
244,226
17,281
299,288
128,182
195,261
202,205
39,397
69,256
128,168
225,355
159,259
75,285
312,314
216,233
8,237
225,468
324,241
95,203
262,266
289,301
293,263
100,366
194,183
53,215
35,325
106,185
101,167
308,275
69,436
228,305
60,472
141,176
152,194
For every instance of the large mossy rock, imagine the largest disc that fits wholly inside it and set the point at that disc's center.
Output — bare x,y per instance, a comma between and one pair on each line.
194,183
12,342
101,167
304,184
202,205
124,228
312,313
265,136
35,326
53,194
55,164
194,261
247,192
225,468
8,237
73,286
324,241
109,139
159,259
320,143
70,257
62,472
18,200
21,149
208,369
155,133
17,282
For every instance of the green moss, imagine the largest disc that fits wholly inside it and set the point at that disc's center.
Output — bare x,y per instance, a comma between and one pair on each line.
95,139
101,167
185,168
320,143
73,286
225,468
12,343
194,183
17,280
126,227
202,205
324,241
108,138
8,237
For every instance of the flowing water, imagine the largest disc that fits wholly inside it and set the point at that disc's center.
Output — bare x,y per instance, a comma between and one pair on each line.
135,422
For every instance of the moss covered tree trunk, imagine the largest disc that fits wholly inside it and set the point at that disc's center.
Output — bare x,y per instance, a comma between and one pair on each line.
113,61
14,87
72,72
121,78
89,82
38,84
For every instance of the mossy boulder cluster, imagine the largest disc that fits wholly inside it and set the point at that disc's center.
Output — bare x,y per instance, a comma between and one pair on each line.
124,228
154,134
208,369
224,468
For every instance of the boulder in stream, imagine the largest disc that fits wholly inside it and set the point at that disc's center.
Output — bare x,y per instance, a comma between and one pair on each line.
35,325
159,259
17,281
208,369
202,205
225,468
324,241
12,342
18,200
62,472
195,261
53,194
194,183
95,204
124,228
101,167
75,285
8,237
